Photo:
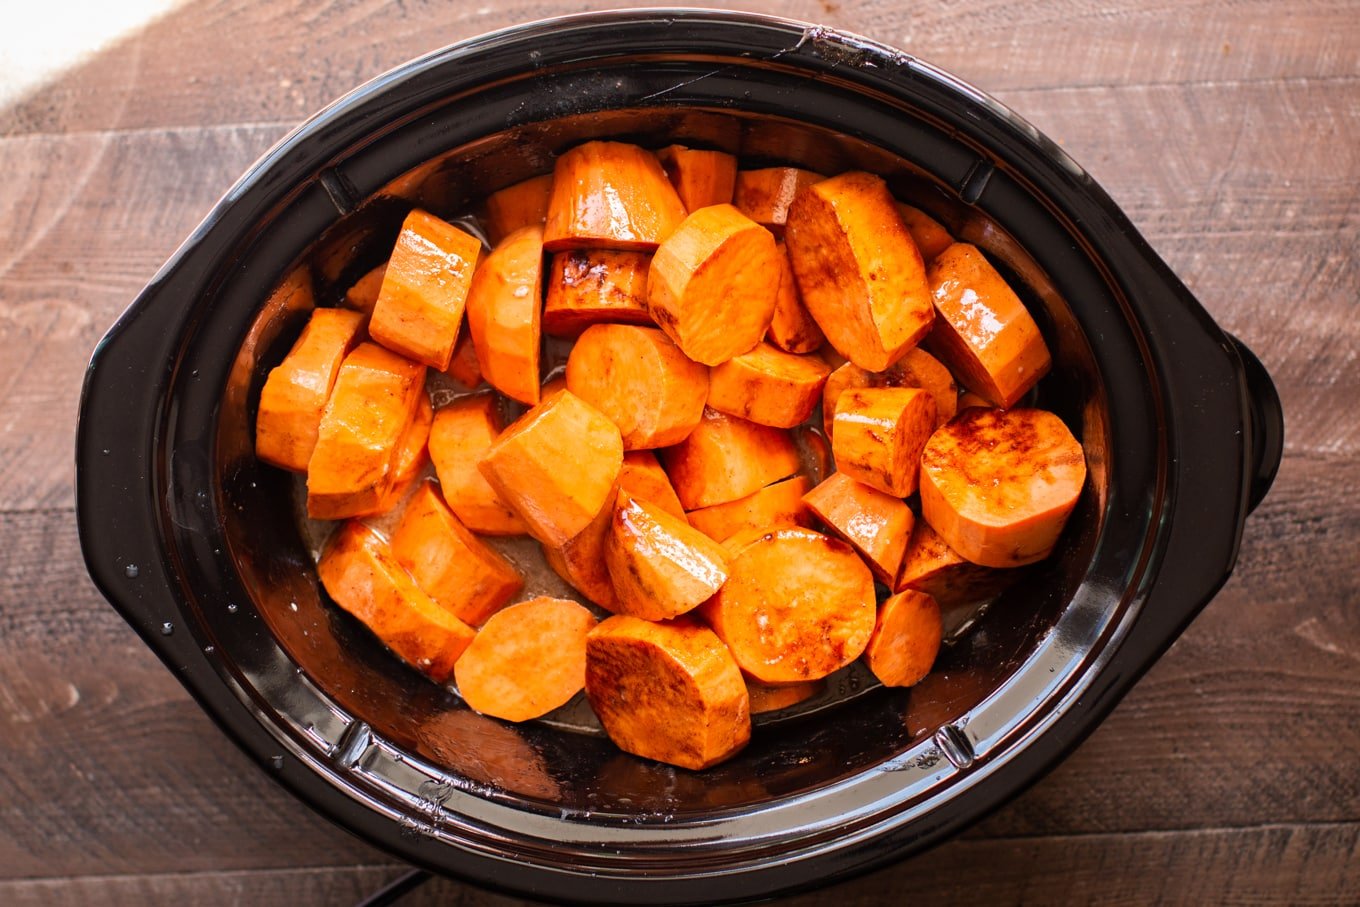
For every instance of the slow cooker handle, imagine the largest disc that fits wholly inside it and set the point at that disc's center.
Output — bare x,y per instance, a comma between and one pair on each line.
1267,423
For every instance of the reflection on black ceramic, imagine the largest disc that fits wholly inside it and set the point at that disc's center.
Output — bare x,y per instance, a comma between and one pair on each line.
179,524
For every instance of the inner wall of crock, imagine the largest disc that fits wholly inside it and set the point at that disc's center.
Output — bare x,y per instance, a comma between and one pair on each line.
853,731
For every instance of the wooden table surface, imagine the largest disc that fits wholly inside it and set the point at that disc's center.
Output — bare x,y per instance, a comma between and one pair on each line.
1229,130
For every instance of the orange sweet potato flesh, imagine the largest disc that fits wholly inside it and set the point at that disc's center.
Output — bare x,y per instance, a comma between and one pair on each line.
363,296
461,433
668,691
527,660
796,606
780,504
859,272
969,399
412,454
713,284
643,478
916,369
463,366
877,525
424,290
998,485
591,286
725,458
772,699
556,466
906,639
503,308
983,332
768,386
660,565
361,575
792,327
371,405
879,434
581,562
525,204
928,234
765,195
610,195
700,178
449,563
932,567
295,393
641,381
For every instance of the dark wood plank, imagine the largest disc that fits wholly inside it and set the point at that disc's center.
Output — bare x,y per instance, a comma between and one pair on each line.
212,63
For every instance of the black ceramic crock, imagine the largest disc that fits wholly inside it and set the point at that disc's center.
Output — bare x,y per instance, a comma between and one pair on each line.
194,542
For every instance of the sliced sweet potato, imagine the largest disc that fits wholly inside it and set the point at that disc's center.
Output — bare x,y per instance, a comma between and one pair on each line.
525,204
772,699
700,178
877,525
580,560
929,234
610,195
527,660
765,195
968,399
449,563
463,367
363,296
796,606
461,433
372,404
768,386
932,567
859,273
361,575
412,455
713,284
641,381
916,369
503,309
780,504
725,458
643,478
667,691
999,485
555,466
592,286
906,639
983,332
295,393
880,432
792,327
424,290
660,565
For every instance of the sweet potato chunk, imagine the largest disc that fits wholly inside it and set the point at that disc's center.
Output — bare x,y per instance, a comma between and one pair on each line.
360,574
906,639
661,566
928,234
877,525
374,400
796,606
528,660
879,435
412,454
983,332
916,369
449,563
932,567
641,381
713,284
643,478
667,691
295,393
969,399
424,290
772,699
610,195
998,485
555,466
792,327
780,504
525,204
592,286
363,296
700,178
580,560
765,195
726,458
461,433
503,309
859,272
768,386
463,366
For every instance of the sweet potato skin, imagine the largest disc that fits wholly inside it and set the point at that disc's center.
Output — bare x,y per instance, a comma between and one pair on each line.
877,525
594,286
461,433
725,458
668,691
906,639
778,504
768,386
610,195
879,435
503,308
660,566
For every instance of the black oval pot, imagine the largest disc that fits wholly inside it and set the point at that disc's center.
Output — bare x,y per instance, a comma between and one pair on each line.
194,542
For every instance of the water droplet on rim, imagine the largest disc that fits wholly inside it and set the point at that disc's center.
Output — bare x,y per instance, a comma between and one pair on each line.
131,571
167,628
